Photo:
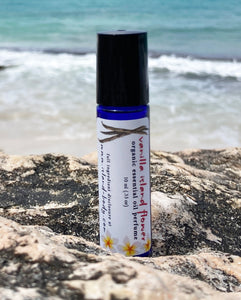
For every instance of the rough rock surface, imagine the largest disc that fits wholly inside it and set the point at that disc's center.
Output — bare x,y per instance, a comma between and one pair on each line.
196,214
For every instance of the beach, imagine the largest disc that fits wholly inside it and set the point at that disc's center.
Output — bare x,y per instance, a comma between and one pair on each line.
52,210
47,74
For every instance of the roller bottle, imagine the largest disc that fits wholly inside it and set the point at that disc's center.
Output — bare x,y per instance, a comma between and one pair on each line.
123,134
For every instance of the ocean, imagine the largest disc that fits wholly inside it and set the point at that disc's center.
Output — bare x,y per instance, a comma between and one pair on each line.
47,72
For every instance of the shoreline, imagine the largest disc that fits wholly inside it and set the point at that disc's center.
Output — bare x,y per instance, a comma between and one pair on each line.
152,53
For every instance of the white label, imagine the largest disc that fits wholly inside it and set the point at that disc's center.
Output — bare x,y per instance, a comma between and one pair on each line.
124,185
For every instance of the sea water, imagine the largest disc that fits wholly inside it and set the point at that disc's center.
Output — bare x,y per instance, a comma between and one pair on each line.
48,65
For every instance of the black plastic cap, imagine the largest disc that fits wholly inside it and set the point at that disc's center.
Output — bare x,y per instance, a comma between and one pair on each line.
122,68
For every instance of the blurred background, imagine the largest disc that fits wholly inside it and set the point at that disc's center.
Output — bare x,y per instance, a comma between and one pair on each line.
47,72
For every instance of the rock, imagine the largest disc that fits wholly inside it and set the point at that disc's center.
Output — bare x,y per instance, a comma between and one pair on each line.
53,190
53,254
2,67
198,200
35,263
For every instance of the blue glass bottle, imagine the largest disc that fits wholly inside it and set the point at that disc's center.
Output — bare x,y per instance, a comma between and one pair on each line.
123,143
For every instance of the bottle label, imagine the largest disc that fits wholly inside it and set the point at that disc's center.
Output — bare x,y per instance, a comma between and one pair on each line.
124,185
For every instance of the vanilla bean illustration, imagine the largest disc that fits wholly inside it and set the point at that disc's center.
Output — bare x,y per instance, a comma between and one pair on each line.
121,132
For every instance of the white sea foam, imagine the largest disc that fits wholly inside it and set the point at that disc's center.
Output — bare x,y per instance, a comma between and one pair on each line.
55,63
47,103
39,59
188,65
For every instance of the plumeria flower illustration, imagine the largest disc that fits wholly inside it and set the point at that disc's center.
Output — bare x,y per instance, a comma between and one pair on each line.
109,241
147,245
129,248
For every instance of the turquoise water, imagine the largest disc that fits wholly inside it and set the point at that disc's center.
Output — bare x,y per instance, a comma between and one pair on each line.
47,92
205,28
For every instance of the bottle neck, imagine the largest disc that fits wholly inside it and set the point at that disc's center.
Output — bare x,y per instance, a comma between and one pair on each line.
122,113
